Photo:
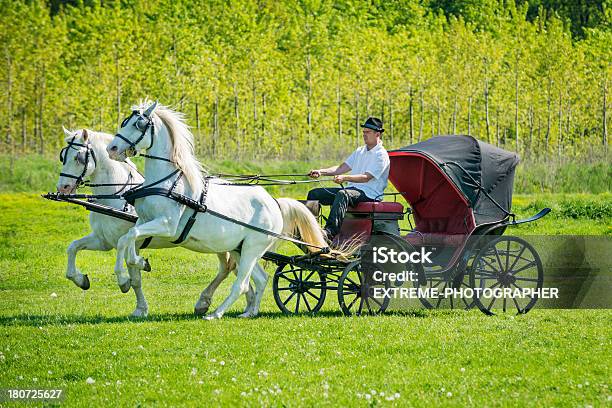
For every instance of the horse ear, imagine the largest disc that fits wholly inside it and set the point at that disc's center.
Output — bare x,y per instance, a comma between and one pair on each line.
85,135
67,132
150,109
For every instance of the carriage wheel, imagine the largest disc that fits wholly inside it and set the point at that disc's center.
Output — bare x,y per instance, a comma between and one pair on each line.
441,283
298,290
506,262
356,293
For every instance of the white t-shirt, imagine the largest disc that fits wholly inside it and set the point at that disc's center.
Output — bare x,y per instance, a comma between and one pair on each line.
374,162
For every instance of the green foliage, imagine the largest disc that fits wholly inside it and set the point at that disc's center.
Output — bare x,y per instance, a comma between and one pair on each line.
293,79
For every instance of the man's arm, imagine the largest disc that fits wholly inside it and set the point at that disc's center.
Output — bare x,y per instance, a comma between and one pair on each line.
330,171
353,178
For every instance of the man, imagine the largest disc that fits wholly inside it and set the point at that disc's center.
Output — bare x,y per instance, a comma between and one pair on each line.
369,171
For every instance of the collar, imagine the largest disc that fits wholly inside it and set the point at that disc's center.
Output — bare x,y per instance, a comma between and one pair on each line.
375,148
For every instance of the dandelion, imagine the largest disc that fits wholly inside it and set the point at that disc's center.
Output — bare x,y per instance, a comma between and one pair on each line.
396,395
243,394
217,391
114,353
194,371
233,379
368,397
449,394
90,380
222,363
462,369
54,295
35,379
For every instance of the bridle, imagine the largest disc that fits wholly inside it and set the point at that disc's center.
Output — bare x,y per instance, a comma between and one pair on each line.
143,128
88,153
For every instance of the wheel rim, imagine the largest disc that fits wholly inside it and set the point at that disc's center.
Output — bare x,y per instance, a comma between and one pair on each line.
298,290
439,282
508,262
356,294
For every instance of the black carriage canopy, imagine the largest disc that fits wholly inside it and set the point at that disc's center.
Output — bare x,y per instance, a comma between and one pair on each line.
451,182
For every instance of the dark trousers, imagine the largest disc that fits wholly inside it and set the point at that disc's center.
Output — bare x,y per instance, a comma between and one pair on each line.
340,200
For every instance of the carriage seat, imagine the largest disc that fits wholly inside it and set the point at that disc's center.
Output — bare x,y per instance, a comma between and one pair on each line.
443,231
377,207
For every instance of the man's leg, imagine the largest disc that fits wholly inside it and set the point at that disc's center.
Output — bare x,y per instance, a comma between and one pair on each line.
344,199
325,196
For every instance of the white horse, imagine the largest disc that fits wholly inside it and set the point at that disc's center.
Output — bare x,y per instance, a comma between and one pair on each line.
171,164
85,156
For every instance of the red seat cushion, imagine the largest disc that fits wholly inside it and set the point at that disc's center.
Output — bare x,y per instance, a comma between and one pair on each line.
435,238
377,206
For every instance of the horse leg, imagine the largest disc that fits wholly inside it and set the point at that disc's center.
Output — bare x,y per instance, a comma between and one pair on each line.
201,307
90,242
226,265
248,259
260,277
126,247
142,308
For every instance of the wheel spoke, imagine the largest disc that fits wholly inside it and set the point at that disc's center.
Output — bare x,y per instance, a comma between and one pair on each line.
309,275
507,255
313,295
360,305
501,267
289,298
353,302
306,301
377,301
517,258
518,278
368,305
517,305
505,303
522,268
297,304
491,304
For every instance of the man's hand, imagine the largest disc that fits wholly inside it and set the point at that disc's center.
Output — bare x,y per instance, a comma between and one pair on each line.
314,174
339,179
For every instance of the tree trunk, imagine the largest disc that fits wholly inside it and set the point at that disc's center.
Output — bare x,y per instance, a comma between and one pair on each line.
391,125
439,113
559,141
411,111
469,118
263,121
9,99
604,136
41,122
487,120
198,134
549,112
237,120
516,109
357,118
308,100
118,88
339,108
497,127
215,137
530,129
455,116
254,127
422,114
24,134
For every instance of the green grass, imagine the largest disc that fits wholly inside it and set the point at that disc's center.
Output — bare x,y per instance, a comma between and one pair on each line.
448,358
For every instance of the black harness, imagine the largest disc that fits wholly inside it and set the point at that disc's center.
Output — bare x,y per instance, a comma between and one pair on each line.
88,152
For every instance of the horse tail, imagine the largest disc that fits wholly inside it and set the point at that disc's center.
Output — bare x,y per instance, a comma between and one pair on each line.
299,221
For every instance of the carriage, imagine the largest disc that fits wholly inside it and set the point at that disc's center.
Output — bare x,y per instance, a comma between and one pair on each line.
459,192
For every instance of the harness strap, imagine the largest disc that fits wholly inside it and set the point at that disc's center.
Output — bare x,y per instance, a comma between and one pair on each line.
192,219
146,242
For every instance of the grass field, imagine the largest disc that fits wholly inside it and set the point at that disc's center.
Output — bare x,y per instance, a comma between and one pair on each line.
53,334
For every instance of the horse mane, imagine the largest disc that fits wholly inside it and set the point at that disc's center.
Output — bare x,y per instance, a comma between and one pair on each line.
183,153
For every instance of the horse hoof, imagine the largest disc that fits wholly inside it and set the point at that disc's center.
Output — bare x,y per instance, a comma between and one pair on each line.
147,265
125,287
246,315
212,316
140,313
86,284
200,311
